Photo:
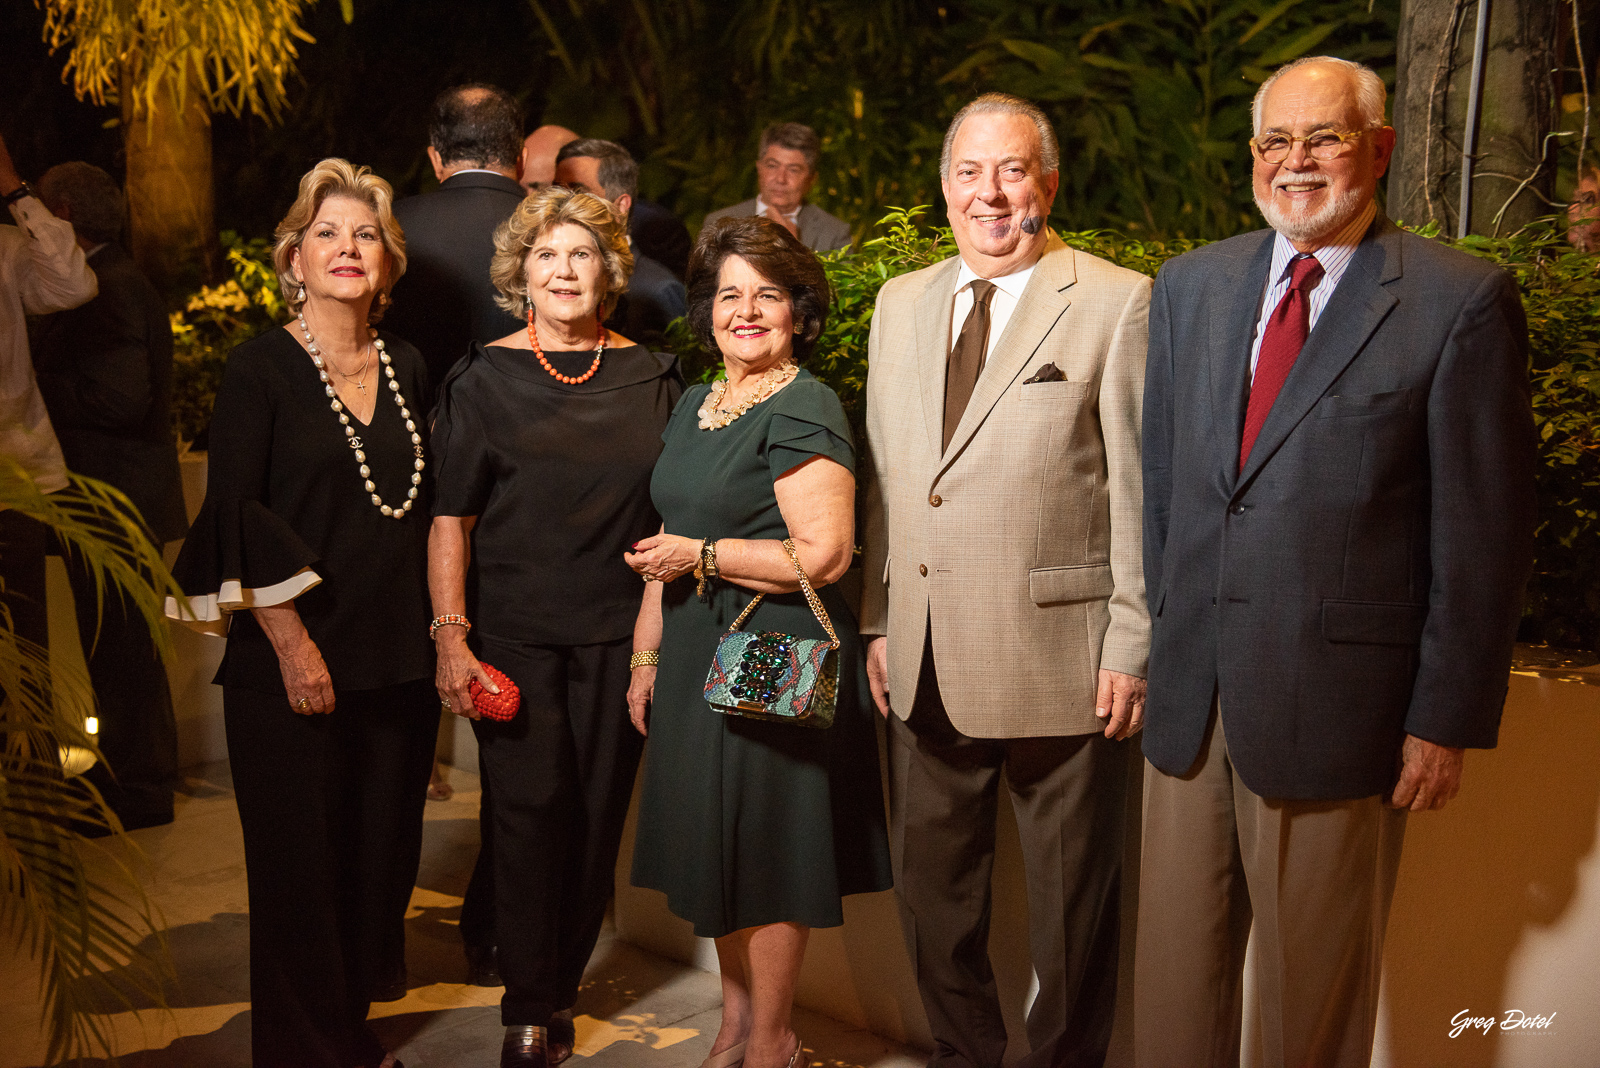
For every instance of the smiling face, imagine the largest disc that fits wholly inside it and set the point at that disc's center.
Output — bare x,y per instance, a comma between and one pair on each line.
1309,200
566,275
752,319
998,194
342,256
784,177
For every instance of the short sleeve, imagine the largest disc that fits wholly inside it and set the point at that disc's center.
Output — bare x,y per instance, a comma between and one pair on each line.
809,422
464,475
239,553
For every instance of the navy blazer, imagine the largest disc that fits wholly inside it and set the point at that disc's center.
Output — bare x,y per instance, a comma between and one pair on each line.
1362,577
445,300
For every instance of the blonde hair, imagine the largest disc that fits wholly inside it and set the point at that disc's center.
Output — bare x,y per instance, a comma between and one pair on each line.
551,207
338,178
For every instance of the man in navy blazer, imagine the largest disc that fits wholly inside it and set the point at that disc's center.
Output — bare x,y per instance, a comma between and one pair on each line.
445,300
1339,512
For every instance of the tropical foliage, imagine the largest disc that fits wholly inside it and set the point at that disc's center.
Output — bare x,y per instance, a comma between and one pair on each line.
71,904
1150,100
236,54
214,319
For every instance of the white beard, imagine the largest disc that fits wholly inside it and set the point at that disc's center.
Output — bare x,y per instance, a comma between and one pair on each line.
1304,228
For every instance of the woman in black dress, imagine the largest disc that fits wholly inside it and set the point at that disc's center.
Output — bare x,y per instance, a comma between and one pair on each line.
545,442
310,553
754,830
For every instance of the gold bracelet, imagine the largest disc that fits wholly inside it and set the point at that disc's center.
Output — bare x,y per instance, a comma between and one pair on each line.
644,658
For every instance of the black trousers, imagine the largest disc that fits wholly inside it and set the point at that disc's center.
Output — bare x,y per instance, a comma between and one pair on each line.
1069,795
138,734
331,808
557,782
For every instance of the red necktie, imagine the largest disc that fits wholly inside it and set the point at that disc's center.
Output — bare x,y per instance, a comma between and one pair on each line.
1281,343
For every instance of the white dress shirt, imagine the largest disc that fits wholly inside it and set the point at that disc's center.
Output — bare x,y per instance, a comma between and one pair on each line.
764,210
1008,290
1335,256
42,270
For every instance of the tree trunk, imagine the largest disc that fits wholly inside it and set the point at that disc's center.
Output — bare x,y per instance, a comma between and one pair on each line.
1514,168
170,202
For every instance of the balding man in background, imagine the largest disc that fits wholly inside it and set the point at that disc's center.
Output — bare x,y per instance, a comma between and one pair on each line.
539,155
1339,509
445,300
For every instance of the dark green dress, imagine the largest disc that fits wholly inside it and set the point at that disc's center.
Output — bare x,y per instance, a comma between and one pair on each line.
742,822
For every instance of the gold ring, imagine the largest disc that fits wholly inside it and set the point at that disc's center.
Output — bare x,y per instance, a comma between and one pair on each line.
301,704
445,705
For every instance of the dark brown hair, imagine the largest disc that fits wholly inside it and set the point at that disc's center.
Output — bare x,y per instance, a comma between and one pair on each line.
778,256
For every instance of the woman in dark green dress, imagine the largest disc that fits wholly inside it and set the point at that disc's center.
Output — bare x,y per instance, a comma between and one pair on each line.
754,830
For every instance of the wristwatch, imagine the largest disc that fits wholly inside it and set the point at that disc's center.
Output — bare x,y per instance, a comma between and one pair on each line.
23,190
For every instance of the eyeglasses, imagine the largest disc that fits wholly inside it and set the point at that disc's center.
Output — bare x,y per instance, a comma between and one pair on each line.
1320,144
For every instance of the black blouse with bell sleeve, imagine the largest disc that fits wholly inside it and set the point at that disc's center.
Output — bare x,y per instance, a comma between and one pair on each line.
287,518
558,475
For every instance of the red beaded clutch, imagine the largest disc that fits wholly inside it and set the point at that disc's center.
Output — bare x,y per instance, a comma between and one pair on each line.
500,706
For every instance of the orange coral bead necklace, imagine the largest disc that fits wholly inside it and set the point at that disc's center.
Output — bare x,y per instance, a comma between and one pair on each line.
599,351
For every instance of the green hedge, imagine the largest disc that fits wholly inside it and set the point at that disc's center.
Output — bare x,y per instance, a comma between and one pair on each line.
1560,290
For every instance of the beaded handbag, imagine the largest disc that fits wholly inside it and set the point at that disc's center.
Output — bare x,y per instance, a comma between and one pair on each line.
774,676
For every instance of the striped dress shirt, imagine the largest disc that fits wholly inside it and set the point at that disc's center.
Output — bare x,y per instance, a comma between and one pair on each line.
1335,256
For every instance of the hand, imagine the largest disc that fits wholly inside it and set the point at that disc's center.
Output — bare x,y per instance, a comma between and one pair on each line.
457,667
878,673
641,691
306,678
663,557
1430,775
1120,701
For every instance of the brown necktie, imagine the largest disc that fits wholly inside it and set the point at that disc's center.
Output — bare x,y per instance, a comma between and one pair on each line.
966,358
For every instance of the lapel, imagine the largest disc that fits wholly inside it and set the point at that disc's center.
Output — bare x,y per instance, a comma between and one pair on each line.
1354,311
1232,324
1040,307
931,320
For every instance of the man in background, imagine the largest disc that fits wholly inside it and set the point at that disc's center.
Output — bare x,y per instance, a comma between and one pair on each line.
655,231
445,300
786,169
105,371
654,297
42,269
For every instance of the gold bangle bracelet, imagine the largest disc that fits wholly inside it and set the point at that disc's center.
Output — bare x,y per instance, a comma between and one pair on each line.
644,658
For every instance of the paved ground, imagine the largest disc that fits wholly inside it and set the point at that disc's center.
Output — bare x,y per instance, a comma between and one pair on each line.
634,1009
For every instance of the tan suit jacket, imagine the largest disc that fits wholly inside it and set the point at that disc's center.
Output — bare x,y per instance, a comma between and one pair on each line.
1020,545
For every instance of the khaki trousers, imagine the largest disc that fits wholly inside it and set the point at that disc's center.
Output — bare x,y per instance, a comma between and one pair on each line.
1314,878
1069,796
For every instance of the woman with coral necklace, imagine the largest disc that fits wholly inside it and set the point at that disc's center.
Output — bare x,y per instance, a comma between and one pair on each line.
545,441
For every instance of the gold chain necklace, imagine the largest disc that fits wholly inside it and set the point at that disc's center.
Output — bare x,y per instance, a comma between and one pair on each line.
713,418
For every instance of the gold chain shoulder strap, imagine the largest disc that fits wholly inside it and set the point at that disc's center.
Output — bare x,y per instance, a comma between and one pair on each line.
811,598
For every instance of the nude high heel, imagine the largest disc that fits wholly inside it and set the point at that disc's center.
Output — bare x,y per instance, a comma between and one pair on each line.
732,1057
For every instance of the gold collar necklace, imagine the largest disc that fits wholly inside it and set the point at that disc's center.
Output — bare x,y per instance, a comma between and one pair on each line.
711,418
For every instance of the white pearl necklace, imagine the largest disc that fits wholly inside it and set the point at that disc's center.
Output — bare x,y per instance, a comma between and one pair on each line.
350,432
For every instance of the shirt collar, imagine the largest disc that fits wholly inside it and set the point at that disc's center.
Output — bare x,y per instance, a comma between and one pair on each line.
764,209
1345,240
1011,284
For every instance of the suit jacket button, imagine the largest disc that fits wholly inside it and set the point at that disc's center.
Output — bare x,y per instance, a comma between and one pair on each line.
1237,509
936,500
922,569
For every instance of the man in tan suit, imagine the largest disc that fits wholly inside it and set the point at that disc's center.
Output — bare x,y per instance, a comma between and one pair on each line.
1005,592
